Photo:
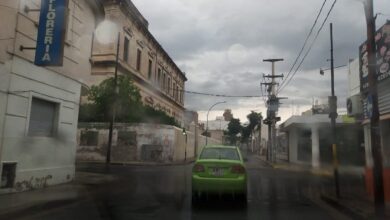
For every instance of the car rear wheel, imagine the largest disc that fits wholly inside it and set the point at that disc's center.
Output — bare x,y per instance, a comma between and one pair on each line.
242,198
196,199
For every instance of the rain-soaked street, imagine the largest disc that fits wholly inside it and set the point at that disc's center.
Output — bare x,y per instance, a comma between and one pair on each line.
163,192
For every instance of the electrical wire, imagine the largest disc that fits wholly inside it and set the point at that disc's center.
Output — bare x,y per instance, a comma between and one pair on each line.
309,49
304,44
261,90
213,94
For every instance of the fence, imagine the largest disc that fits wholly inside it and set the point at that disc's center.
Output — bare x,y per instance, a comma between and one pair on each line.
139,142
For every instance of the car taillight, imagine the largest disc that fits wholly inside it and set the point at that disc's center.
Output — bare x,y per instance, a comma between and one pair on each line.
238,169
198,168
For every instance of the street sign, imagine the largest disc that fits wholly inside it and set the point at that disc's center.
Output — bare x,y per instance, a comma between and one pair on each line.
369,106
51,33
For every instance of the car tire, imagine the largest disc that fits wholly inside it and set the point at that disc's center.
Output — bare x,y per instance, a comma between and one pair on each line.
242,199
195,198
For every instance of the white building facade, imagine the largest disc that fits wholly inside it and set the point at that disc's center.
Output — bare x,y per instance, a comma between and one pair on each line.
39,105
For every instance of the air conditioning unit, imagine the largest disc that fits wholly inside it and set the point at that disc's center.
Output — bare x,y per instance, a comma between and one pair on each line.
354,105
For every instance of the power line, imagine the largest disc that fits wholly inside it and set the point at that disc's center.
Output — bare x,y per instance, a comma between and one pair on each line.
261,90
305,42
219,95
311,45
215,95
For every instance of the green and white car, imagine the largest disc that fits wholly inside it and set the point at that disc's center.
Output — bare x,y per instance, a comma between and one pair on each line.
219,170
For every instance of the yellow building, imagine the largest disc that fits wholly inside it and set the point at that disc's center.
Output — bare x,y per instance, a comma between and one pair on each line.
159,79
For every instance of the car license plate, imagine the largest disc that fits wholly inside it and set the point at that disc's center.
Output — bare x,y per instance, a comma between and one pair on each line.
217,171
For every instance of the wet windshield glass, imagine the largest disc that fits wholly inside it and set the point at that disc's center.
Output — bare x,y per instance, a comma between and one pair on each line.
194,109
220,153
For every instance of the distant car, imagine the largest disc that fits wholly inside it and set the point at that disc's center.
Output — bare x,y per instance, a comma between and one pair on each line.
219,170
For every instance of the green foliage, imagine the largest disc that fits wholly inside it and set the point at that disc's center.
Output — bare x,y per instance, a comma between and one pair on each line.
89,113
233,129
234,126
254,119
127,100
129,107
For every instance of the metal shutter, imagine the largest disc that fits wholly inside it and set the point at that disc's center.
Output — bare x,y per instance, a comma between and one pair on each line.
384,97
42,118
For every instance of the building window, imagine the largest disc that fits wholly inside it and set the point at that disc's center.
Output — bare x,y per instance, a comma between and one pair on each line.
169,86
150,70
182,97
164,82
139,54
42,118
126,50
8,175
159,78
177,93
174,90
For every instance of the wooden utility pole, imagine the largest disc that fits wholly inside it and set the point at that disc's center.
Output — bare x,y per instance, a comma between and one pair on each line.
273,105
372,97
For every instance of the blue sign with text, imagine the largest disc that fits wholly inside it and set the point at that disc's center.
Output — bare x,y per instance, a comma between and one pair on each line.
51,33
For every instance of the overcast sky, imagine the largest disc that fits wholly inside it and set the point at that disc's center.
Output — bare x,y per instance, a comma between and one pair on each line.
220,44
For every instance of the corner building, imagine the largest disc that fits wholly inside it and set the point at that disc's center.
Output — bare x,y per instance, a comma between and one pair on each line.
159,79
39,105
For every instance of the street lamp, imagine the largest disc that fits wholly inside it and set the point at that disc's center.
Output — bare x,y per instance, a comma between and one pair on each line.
105,34
207,120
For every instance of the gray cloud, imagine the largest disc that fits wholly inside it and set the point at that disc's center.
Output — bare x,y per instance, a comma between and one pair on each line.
220,45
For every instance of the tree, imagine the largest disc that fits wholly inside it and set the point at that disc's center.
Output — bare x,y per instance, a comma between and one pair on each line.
254,119
233,129
129,107
127,100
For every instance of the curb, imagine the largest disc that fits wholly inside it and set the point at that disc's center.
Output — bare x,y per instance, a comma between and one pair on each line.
138,163
342,208
325,173
21,211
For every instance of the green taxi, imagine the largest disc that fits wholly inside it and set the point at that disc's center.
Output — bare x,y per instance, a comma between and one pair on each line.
219,170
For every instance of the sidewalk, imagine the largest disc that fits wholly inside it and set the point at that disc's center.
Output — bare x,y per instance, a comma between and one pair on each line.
17,204
354,205
322,171
353,202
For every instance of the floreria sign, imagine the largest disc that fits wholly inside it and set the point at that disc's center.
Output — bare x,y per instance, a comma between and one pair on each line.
51,33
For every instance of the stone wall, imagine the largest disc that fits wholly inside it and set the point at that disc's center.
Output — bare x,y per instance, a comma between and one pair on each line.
138,142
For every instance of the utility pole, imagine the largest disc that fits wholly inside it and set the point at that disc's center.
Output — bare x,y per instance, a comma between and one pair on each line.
333,116
272,108
111,128
374,114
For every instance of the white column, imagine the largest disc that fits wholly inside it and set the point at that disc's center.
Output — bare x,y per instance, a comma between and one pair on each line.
315,147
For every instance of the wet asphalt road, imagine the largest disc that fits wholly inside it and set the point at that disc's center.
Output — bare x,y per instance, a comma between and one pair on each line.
150,192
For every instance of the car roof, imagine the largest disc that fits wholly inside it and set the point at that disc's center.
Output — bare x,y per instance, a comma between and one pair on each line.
220,146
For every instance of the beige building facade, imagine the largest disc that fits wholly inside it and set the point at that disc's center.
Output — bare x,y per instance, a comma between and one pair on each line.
39,105
160,81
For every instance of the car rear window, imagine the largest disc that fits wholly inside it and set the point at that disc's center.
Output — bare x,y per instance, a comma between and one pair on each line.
220,153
